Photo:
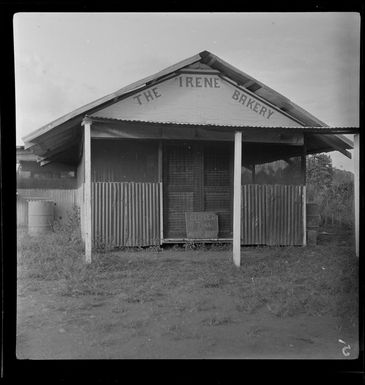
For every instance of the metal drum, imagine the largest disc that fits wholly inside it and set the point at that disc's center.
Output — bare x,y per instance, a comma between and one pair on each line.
40,216
313,219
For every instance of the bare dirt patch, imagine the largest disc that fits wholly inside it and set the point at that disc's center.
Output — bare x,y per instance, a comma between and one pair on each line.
281,303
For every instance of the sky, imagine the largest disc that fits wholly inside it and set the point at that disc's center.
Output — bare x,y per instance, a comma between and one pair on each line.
66,60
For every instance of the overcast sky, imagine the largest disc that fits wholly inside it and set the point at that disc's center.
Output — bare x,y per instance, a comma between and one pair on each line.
65,60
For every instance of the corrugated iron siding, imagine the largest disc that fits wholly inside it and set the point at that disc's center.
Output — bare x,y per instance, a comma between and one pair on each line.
126,213
272,215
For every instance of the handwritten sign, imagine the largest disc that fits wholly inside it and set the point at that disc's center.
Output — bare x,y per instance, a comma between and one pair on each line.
201,225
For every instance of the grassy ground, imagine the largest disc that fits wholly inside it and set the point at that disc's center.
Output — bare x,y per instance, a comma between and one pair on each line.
178,303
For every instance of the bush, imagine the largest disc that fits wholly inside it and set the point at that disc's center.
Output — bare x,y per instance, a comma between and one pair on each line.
331,189
58,256
338,204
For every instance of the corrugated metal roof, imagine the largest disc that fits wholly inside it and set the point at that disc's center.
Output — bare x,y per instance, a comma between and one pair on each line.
312,129
72,121
262,89
101,101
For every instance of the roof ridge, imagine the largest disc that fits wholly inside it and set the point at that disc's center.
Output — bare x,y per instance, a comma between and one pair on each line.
283,103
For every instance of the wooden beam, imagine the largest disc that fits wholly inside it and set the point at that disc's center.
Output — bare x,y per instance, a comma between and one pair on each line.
357,190
160,170
198,71
253,174
58,150
335,146
28,145
44,162
248,84
159,161
87,189
274,135
303,167
303,163
161,213
304,213
237,198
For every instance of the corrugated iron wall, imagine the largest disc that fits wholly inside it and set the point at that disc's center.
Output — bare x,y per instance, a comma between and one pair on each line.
126,213
272,215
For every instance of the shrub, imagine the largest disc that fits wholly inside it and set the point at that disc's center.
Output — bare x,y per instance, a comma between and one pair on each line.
57,256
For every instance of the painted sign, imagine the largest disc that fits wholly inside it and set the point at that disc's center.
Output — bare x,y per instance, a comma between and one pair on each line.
252,103
199,81
147,96
201,225
197,99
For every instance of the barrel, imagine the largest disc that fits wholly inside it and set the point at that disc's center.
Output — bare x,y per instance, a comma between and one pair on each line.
21,212
40,216
312,220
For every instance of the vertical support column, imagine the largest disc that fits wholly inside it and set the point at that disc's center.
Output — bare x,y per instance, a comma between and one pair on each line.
304,213
237,198
160,168
253,174
87,189
303,163
357,190
303,168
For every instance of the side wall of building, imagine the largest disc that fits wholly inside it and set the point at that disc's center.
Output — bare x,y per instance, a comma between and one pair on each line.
125,192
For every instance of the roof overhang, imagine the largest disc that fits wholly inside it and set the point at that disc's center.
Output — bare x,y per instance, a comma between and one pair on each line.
63,136
318,139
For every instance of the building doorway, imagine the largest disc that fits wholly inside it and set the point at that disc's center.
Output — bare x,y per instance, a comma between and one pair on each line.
197,176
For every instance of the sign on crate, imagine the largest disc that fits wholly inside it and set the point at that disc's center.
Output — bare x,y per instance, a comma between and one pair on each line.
201,225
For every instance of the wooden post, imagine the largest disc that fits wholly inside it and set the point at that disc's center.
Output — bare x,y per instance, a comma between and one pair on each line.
87,189
357,190
159,162
303,168
304,213
303,163
237,198
160,168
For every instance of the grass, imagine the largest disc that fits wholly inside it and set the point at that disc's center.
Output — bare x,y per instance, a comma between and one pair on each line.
217,320
316,281
285,281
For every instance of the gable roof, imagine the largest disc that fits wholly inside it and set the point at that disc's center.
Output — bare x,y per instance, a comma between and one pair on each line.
98,103
67,129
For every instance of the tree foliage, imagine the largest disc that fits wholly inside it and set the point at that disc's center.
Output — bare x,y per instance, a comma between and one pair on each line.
332,193
319,171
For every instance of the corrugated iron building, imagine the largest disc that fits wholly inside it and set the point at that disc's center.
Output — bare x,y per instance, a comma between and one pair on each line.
164,146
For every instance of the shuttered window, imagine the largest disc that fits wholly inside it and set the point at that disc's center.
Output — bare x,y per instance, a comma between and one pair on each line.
197,177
